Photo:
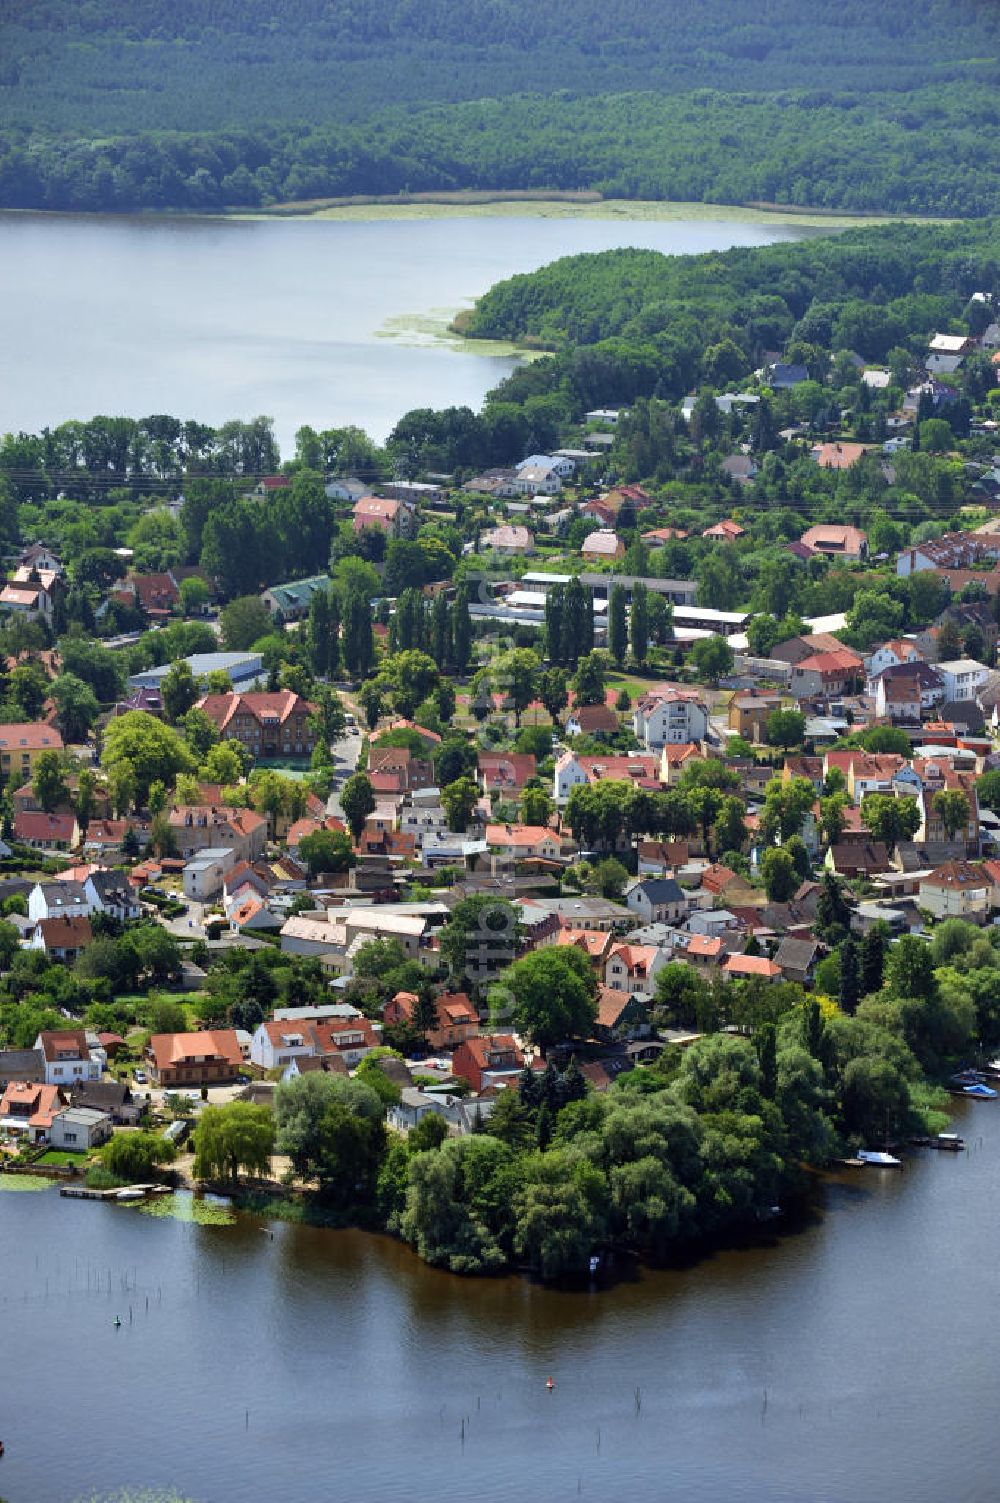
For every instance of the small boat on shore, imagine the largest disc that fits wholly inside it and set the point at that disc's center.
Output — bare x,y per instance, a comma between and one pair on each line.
876,1159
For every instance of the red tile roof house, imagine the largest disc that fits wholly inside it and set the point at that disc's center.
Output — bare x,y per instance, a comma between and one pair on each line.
62,938
20,744
592,720
751,967
726,532
28,1108
393,517
408,772
68,1058
506,772
47,832
155,594
268,725
620,1015
457,1021
595,943
836,542
211,1057
826,673
275,1044
399,1009
491,1060
524,840
705,953
634,968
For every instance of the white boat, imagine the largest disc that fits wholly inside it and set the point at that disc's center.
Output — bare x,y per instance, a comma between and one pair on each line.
131,1195
879,1160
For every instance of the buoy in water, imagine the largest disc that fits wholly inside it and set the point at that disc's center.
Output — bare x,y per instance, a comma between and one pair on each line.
118,1321
549,1384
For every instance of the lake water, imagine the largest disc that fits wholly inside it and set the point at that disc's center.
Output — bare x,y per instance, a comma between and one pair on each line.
854,1361
312,321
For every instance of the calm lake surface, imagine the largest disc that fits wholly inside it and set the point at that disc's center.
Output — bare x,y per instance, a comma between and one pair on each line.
873,1332
315,321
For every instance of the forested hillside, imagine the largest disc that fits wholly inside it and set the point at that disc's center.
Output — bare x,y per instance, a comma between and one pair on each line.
108,65
851,153
211,103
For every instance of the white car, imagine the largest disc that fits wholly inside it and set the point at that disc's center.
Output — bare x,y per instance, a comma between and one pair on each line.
140,1077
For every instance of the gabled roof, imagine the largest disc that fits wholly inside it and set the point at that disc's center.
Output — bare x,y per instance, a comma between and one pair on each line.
660,889
841,661
637,959
34,735
611,1003
704,947
797,954
172,1049
60,1043
956,876
267,708
592,718
751,965
65,932
594,942
453,1008
511,769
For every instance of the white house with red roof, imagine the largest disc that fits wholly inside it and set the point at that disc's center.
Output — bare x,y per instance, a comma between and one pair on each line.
276,1043
68,1057
670,715
634,968
523,841
393,517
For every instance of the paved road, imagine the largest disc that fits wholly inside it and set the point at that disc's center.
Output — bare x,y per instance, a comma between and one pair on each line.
345,759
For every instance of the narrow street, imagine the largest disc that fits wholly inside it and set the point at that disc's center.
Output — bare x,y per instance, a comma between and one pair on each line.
345,757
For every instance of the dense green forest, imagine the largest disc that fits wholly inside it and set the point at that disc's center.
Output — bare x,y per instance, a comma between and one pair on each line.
109,66
893,281
203,105
833,152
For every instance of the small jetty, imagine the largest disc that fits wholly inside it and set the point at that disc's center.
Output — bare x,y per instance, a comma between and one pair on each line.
948,1142
123,1192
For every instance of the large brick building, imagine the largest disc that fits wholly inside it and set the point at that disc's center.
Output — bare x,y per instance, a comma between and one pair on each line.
269,725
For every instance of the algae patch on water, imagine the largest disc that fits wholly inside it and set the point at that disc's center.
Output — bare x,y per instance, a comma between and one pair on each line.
136,1495
25,1182
434,330
204,1210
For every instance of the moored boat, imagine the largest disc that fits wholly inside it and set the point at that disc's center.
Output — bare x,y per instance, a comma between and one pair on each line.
876,1159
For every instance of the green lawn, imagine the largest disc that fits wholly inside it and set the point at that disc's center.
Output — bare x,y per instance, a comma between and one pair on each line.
59,1158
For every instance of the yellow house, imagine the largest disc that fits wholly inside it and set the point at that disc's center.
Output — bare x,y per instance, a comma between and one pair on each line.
674,759
22,745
